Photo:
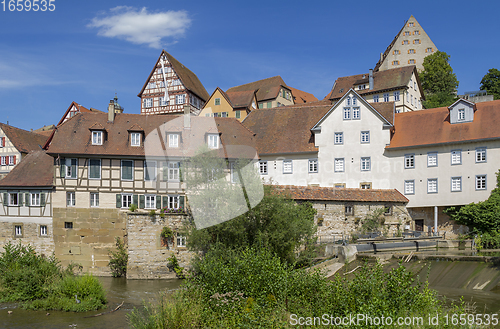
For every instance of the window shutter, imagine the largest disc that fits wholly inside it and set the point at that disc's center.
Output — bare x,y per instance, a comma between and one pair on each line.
165,201
165,171
62,168
14,159
181,202
135,199
3,141
118,201
5,199
180,171
42,199
141,201
158,202
27,199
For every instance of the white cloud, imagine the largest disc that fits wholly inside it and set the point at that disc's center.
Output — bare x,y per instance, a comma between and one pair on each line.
140,26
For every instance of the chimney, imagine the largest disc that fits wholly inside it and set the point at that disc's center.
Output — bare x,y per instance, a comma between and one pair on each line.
111,111
187,117
370,79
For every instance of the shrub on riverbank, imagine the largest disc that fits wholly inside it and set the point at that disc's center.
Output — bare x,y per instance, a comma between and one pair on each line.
41,283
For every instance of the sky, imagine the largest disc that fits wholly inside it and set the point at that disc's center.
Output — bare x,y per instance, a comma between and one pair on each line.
86,51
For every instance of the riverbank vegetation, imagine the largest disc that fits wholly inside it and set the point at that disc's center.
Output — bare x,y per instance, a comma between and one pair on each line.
40,282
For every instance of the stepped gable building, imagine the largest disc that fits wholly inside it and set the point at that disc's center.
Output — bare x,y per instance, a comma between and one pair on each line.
399,85
235,104
15,144
170,86
409,47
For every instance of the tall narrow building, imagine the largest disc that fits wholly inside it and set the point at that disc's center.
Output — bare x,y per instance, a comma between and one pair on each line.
409,47
170,86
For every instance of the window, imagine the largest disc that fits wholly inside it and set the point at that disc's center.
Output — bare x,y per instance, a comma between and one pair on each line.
409,187
173,140
135,139
68,225
428,50
176,82
432,185
432,159
480,154
395,62
94,199
126,200
94,169
409,161
71,168
456,157
151,85
365,186
97,138
70,199
361,87
339,165
148,103
411,99
127,169
354,101
411,51
411,61
396,52
339,185
217,101
407,33
375,98
347,113
164,101
411,24
355,113
237,114
180,99
339,138
173,202
263,167
3,161
416,41
43,230
349,210
234,173
461,114
269,105
388,210
396,96
224,114
213,141
149,170
150,201
13,199
2,142
481,182
365,164
287,166
173,171
416,32
261,105
181,240
406,42
35,199
161,83
18,230
365,137
313,165
386,97
407,97
348,101
456,184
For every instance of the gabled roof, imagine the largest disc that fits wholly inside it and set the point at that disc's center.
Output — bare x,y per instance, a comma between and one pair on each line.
117,143
241,99
383,80
79,107
286,129
300,97
35,170
433,127
188,78
313,193
24,141
266,88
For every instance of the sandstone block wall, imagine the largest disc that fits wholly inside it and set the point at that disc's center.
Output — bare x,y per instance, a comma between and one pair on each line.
43,245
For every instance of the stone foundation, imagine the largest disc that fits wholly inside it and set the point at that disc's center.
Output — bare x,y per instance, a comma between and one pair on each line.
445,224
43,245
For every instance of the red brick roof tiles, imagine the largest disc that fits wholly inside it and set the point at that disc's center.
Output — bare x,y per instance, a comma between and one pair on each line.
24,141
35,170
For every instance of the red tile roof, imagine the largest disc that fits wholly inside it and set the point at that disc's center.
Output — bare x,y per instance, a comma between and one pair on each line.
266,88
340,194
241,99
431,127
24,141
35,170
301,97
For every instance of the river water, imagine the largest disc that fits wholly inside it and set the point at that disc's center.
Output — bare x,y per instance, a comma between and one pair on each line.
131,292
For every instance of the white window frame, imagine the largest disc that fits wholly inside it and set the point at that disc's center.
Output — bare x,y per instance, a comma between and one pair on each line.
376,98
127,200
150,201
432,185
13,201
35,199
366,164
43,230
180,241
481,154
121,171
356,113
339,165
97,137
217,101
338,138
180,99
94,199
312,165
287,167
263,167
173,171
18,230
461,114
173,201
456,157
456,184
409,187
432,159
151,85
135,139
213,141
386,97
348,101
480,182
347,113
100,169
70,199
410,161
148,103
354,101
163,101
396,96
365,137
150,165
70,174
3,161
173,140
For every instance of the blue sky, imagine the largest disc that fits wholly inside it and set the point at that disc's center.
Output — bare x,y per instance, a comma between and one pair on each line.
85,51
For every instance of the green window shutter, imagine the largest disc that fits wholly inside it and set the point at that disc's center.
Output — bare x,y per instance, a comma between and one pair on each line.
181,202
118,201
62,168
141,201
27,199
158,202
135,199
165,201
5,199
42,199
179,165
74,168
165,171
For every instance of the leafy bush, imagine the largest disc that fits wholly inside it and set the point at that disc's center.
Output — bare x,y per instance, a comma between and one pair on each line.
132,208
173,264
488,240
118,259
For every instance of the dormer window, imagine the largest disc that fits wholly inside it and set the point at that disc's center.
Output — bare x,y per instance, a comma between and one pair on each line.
173,140
461,114
135,139
97,138
213,141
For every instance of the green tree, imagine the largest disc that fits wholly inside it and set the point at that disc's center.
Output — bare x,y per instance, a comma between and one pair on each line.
438,81
118,259
491,83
